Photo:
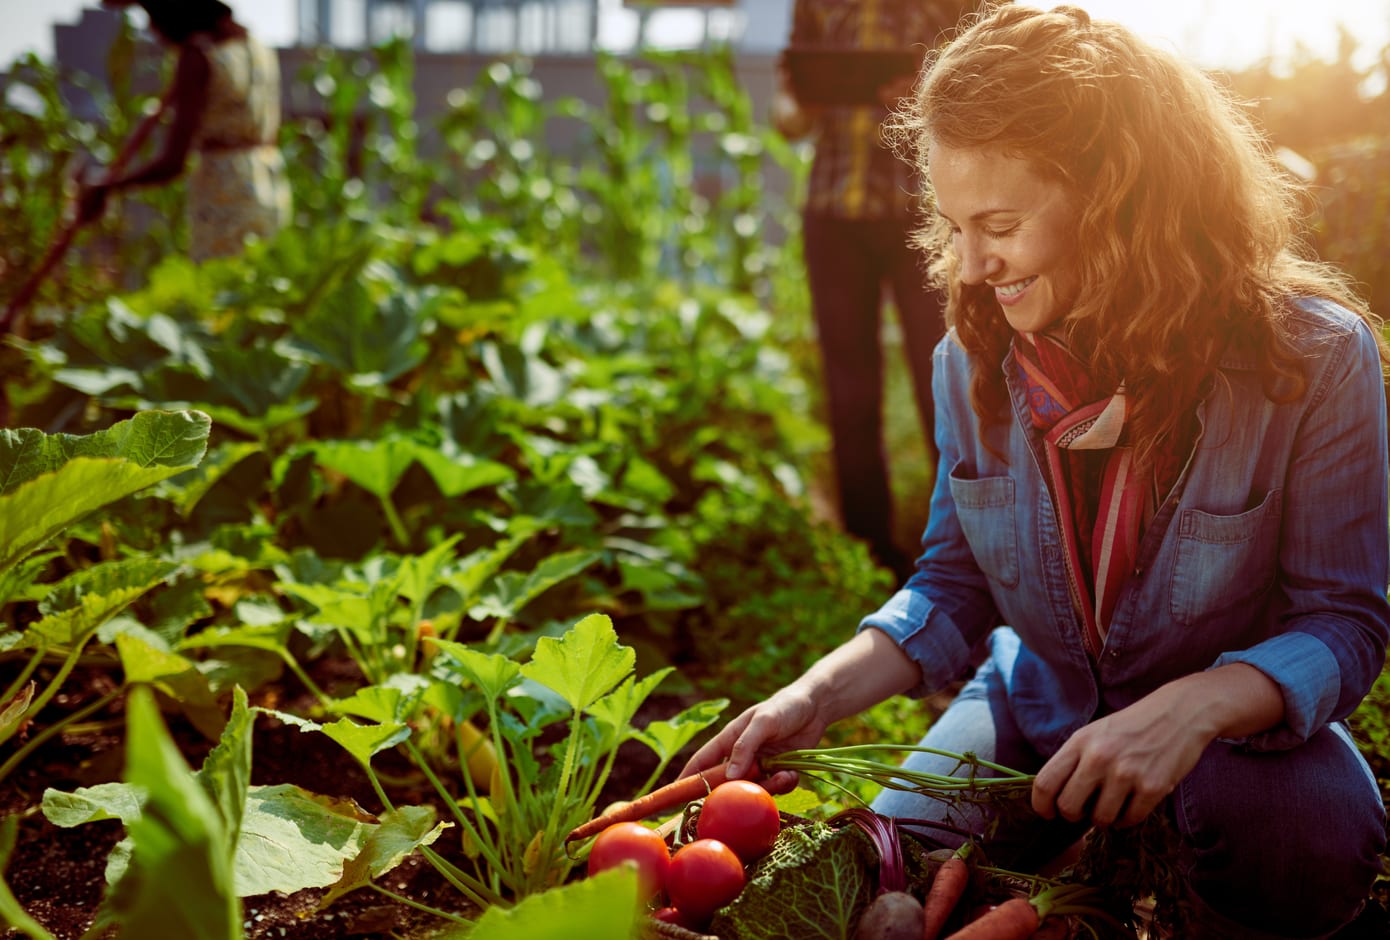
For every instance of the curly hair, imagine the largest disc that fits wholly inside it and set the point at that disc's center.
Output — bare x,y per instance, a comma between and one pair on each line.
1186,237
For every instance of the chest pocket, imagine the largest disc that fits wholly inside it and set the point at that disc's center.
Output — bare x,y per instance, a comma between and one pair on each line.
1224,561
985,509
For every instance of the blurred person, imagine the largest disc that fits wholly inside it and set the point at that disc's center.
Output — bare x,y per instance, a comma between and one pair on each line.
856,221
1163,489
222,108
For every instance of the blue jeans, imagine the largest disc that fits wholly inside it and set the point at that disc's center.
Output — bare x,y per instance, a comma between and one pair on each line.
1276,843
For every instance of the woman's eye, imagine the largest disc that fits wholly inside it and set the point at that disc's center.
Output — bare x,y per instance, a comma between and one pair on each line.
998,232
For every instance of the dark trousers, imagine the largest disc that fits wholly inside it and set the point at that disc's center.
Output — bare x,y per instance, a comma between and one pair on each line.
850,264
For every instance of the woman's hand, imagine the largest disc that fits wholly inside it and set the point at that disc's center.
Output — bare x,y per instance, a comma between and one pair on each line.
1118,768
788,720
861,672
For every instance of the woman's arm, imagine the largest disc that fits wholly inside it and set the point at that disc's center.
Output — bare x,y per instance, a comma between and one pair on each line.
1118,768
183,102
858,674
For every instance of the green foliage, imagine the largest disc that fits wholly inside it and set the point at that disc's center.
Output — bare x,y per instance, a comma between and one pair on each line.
179,879
584,680
603,906
1370,727
50,483
280,837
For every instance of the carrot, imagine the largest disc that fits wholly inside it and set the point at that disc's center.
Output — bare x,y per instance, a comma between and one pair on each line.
1015,919
673,795
947,888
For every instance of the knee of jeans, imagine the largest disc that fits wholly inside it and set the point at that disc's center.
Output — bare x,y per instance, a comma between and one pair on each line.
1290,854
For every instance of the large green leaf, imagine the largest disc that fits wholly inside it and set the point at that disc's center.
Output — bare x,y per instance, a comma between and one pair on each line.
400,833
170,439
99,802
179,880
361,741
175,676
48,482
289,838
226,772
376,466
371,342
667,736
602,906
582,665
492,673
293,839
81,603
512,590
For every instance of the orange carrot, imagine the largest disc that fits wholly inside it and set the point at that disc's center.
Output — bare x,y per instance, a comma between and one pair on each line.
947,888
673,795
1015,919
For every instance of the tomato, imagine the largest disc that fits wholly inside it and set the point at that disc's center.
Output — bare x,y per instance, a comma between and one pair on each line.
633,844
743,816
705,875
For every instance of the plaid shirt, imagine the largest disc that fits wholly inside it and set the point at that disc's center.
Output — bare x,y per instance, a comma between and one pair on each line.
854,175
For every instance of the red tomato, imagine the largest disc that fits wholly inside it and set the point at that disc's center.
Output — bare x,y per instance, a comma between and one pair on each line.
705,875
633,844
743,816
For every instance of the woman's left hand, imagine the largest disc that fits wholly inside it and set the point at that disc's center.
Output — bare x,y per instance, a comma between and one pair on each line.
1118,768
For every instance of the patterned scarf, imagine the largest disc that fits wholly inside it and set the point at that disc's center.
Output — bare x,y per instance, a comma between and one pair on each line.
1103,501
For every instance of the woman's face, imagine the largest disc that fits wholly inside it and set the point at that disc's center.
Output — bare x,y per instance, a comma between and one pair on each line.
1012,230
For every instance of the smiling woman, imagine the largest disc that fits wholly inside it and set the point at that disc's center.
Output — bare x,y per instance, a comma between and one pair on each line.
1150,408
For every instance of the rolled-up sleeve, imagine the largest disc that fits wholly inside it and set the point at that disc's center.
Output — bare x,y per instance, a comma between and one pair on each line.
1335,549
945,609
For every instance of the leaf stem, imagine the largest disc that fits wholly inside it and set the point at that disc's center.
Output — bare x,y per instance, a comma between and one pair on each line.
38,740
409,902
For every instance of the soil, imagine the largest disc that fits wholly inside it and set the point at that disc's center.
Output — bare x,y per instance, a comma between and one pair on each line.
57,874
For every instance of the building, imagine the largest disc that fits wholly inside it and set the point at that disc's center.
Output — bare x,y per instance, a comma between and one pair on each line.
543,26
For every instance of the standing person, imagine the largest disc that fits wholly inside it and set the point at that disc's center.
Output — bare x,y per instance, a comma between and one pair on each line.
1163,494
856,224
223,104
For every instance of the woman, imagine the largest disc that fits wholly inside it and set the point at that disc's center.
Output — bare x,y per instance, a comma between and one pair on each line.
224,104
1163,444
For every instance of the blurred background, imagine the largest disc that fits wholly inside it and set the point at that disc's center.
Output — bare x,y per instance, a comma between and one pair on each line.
624,142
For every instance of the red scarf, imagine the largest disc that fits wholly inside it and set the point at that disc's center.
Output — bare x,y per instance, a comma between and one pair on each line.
1103,502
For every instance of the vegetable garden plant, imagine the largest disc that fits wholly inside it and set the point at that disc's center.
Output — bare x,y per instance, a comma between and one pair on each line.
492,514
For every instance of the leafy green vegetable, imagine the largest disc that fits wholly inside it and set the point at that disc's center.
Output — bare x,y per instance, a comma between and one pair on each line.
813,885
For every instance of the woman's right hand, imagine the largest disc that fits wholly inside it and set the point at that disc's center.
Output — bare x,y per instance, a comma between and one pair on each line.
787,720
856,675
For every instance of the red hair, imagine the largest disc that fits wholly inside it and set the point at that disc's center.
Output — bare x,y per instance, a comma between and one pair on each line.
1186,238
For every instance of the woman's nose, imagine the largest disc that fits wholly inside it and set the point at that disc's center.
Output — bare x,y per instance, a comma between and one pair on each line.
977,262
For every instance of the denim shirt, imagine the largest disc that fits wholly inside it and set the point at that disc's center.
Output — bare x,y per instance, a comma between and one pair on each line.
1272,549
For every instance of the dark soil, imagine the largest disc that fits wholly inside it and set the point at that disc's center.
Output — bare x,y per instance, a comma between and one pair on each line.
57,874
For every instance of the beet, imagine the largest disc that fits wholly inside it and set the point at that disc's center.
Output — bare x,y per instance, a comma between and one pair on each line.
893,915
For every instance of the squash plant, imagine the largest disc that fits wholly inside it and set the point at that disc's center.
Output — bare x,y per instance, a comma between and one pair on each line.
47,484
514,821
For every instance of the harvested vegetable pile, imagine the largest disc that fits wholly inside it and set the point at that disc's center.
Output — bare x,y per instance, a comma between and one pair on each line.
735,870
